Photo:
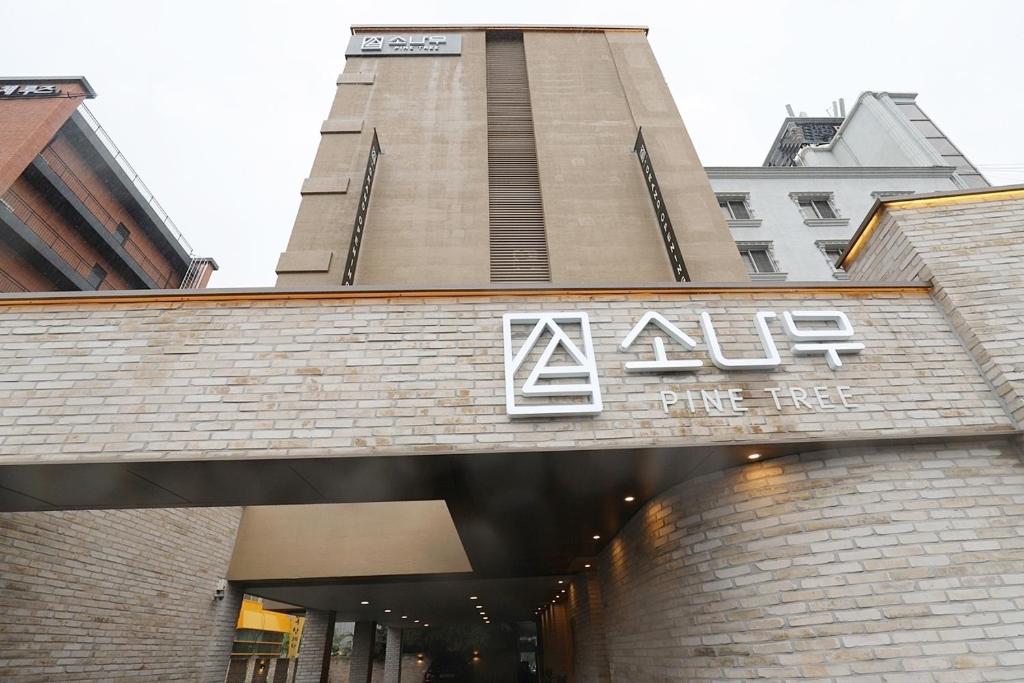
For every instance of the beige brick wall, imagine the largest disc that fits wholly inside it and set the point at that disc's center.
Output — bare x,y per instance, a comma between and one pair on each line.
337,377
971,253
116,595
892,564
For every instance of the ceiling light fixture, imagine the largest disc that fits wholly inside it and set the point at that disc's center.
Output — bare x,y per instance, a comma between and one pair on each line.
365,602
387,611
597,537
754,456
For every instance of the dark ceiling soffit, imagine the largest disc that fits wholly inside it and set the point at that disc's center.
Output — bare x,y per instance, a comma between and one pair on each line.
89,92
158,231
138,274
214,483
65,273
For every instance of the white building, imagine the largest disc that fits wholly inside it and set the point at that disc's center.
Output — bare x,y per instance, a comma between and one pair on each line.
792,217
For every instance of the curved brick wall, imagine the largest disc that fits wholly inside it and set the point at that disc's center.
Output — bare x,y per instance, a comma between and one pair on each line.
870,564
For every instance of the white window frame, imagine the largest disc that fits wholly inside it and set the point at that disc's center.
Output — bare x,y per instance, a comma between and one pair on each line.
744,197
769,249
800,198
824,246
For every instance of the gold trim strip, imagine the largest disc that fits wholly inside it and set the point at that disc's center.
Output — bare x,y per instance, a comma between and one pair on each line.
221,296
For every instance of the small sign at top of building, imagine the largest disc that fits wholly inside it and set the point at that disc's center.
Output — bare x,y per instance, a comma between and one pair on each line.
404,45
28,89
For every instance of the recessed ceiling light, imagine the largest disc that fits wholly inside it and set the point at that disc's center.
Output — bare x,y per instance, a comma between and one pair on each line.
415,621
426,624
365,602
479,606
560,581
387,611
473,597
629,499
597,537
586,566
754,456
404,617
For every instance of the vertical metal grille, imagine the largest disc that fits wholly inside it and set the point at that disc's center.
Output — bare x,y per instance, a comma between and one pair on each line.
519,249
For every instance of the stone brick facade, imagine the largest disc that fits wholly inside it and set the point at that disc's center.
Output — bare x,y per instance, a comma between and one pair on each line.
870,564
116,595
341,376
311,649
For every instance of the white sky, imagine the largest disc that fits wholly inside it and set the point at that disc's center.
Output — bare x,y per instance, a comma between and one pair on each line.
218,104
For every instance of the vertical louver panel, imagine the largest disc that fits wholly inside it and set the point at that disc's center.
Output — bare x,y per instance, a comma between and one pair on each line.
519,249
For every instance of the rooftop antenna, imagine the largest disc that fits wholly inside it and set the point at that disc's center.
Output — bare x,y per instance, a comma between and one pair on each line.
842,107
835,109
789,110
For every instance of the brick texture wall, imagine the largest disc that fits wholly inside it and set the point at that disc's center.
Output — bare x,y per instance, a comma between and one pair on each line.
971,253
311,647
118,595
99,381
869,565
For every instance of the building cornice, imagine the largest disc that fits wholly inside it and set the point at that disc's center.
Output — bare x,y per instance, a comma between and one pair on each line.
922,201
561,28
270,294
829,171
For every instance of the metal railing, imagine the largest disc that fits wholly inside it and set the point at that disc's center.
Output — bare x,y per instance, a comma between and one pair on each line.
8,284
46,232
133,175
165,277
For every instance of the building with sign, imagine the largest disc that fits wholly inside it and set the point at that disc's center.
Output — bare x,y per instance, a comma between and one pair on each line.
74,214
793,217
701,478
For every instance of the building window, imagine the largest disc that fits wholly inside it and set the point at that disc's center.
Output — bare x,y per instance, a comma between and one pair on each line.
122,233
97,276
734,207
760,261
833,250
817,208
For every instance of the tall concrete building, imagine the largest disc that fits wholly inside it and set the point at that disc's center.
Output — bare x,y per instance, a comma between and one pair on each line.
510,158
516,376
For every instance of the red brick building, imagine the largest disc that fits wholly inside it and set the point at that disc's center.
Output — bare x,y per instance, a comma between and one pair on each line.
74,215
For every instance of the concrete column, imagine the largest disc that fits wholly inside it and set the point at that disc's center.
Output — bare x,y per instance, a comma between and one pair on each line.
315,647
361,664
393,656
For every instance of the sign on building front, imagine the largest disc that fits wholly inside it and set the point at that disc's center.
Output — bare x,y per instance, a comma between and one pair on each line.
404,45
551,370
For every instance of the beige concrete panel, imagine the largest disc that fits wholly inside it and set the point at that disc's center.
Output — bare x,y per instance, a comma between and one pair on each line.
326,185
304,262
355,79
359,539
342,126
708,248
428,215
600,223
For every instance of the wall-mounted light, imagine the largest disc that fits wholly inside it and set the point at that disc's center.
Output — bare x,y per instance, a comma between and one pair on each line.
221,589
754,456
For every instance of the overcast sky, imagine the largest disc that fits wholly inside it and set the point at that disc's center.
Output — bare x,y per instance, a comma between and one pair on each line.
218,104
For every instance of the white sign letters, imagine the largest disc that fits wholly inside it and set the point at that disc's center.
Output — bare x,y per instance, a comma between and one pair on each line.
815,332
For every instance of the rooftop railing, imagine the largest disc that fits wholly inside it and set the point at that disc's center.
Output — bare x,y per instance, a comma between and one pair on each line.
163,275
132,174
8,284
53,239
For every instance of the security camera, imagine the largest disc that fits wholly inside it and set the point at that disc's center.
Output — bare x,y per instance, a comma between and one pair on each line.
218,592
